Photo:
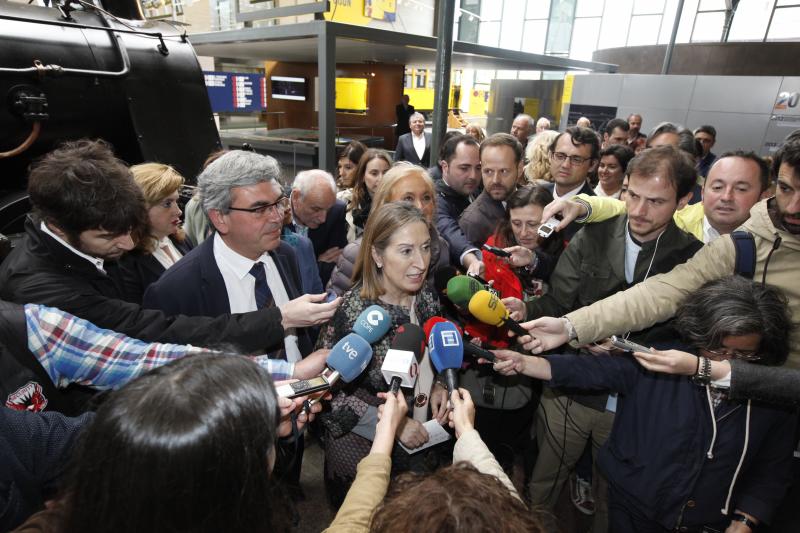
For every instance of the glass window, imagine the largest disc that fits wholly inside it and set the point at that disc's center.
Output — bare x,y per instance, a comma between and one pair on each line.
644,30
534,37
484,76
787,2
530,74
584,38
616,19
785,24
492,10
489,33
511,36
420,78
687,21
708,27
589,8
750,21
506,74
710,5
648,7
538,9
667,21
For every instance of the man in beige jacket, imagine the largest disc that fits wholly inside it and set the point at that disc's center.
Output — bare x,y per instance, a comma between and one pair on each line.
775,226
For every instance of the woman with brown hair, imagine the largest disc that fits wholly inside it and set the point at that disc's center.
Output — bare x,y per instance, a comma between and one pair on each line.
403,182
471,495
371,168
346,167
390,271
163,242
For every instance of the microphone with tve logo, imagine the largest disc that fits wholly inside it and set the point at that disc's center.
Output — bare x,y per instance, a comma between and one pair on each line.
488,308
446,349
401,363
347,360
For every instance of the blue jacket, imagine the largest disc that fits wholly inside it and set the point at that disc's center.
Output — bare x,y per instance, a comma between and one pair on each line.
656,456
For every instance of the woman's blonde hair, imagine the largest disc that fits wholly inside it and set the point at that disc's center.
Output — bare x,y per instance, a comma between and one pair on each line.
157,181
399,171
481,134
538,156
383,222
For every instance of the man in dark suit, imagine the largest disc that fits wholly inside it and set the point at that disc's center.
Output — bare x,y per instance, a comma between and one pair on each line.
86,204
572,155
415,146
403,110
245,266
318,215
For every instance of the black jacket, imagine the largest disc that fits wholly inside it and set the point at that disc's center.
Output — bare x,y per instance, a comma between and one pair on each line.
449,206
41,270
405,150
35,448
138,270
194,285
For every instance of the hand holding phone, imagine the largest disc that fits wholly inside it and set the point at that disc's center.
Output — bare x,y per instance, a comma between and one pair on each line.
499,252
628,346
547,229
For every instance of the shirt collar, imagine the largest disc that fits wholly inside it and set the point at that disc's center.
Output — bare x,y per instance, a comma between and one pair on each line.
239,264
568,194
709,232
96,261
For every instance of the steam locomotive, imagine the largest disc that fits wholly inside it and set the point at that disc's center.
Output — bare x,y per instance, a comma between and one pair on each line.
96,69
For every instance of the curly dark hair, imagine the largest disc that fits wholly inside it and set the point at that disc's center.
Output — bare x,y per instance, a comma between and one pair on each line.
737,306
81,185
579,136
456,498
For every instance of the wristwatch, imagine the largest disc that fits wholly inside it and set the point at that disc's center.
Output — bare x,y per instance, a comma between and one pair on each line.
703,375
739,517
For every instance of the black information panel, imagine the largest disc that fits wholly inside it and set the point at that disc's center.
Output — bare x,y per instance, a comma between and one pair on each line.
599,115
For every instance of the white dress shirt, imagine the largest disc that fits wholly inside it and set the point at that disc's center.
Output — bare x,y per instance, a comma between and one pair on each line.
240,285
419,144
709,233
600,192
568,194
162,256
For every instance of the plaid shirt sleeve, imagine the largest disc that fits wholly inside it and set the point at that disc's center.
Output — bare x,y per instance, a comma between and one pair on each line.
73,350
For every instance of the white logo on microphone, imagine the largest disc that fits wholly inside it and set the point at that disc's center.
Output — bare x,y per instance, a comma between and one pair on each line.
449,338
352,353
374,317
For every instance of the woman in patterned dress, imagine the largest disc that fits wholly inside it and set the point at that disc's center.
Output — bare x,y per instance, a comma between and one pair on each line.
390,271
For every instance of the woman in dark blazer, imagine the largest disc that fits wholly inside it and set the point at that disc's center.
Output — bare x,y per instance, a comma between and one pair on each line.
163,242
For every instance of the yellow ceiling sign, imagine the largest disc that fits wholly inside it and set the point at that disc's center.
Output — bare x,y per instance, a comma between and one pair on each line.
348,12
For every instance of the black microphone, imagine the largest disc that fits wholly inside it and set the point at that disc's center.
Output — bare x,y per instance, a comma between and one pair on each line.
477,352
401,364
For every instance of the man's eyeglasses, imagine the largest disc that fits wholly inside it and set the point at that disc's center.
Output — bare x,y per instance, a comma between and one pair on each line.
745,355
278,207
574,159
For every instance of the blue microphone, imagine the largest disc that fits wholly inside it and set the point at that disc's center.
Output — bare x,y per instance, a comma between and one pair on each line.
446,349
348,358
372,324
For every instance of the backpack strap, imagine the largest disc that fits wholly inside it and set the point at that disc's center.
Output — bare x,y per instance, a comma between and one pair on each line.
745,253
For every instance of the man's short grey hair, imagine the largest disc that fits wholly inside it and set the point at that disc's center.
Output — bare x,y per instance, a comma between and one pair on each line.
307,179
237,168
543,121
665,127
528,119
415,115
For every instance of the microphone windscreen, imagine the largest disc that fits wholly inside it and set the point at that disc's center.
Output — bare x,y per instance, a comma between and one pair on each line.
350,357
372,324
432,321
411,338
446,346
461,288
488,308
442,276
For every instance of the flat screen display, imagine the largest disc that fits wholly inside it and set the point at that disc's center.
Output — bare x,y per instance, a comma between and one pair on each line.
233,92
286,88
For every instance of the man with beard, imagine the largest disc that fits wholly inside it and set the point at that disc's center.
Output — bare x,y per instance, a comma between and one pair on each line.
461,175
501,166
636,139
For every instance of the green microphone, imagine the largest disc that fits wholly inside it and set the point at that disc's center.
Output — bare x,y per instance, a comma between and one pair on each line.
461,289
